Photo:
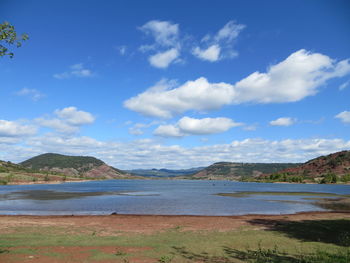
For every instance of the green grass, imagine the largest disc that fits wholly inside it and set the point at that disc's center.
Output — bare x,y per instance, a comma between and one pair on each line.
300,242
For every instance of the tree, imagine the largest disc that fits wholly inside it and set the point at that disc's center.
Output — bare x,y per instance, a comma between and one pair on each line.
8,37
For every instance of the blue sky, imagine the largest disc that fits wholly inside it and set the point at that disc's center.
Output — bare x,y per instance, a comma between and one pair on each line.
177,84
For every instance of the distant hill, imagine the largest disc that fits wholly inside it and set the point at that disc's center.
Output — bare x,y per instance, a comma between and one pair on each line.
10,167
164,172
236,171
324,169
76,166
11,173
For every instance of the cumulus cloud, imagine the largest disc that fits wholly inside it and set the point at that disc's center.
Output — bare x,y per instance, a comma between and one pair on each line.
138,128
164,59
159,101
221,45
168,131
33,94
148,153
298,76
57,124
164,33
68,120
74,116
229,32
166,41
212,53
283,121
344,116
15,129
135,130
191,126
76,70
206,125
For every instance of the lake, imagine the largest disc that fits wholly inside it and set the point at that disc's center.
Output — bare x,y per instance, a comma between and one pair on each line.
159,197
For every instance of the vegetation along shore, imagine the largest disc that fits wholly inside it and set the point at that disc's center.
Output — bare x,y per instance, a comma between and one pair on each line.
57,168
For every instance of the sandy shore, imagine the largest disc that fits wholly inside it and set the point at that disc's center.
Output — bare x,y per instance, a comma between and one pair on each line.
155,223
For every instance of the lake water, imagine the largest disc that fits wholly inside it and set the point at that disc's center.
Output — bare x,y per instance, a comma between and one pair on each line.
161,197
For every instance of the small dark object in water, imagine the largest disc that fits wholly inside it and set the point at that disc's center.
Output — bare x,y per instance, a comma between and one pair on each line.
114,213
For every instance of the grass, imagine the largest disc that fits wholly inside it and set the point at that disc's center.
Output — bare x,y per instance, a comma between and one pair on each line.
286,241
30,177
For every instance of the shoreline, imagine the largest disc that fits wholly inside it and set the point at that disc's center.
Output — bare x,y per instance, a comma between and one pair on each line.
305,213
152,224
170,179
49,182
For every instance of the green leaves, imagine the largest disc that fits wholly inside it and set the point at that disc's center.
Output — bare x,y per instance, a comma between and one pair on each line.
8,37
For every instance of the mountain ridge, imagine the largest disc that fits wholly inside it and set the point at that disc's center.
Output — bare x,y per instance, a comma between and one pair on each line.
323,169
238,171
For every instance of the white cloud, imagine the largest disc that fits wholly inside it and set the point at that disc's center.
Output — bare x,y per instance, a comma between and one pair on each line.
206,125
344,85
283,121
164,33
138,128
219,46
135,131
33,94
166,42
159,101
191,126
229,32
168,131
4,141
16,129
74,116
121,50
251,127
297,77
76,70
344,116
57,124
212,53
150,154
164,59
69,120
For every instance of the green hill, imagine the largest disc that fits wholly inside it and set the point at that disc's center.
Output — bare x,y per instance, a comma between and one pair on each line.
53,160
165,173
239,171
331,168
76,166
11,173
6,167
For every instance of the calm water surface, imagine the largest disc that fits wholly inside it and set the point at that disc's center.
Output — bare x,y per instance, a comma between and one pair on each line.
162,197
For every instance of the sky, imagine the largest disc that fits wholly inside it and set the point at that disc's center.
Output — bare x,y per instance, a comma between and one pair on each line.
176,84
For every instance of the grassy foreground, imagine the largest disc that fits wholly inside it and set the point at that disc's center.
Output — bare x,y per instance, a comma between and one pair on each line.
261,240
